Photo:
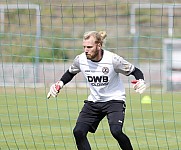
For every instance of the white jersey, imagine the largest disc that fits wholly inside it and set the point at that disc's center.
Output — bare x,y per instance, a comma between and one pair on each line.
103,76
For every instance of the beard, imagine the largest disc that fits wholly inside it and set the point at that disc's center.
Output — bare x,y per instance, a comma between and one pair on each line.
92,56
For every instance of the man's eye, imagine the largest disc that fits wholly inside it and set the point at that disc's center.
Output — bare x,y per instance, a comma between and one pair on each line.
88,47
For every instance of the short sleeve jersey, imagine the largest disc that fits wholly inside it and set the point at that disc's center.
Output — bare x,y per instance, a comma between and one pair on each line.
103,76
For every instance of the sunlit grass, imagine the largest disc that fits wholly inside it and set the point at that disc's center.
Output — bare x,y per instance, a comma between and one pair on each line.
30,121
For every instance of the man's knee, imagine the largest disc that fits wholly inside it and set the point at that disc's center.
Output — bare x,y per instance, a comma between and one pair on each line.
122,139
80,130
116,131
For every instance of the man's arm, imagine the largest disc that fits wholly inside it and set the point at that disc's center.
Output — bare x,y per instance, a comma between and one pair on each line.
137,73
126,68
55,88
67,77
139,84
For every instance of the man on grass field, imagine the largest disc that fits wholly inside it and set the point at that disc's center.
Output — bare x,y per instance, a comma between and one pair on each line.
107,96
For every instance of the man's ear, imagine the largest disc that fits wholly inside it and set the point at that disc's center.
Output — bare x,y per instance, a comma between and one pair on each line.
99,45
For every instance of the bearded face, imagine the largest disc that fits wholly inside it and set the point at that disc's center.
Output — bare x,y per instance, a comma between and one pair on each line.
91,49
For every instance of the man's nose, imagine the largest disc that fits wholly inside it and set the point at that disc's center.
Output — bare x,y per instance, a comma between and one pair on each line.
86,49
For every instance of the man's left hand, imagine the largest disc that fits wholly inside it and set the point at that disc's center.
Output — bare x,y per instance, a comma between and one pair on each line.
139,85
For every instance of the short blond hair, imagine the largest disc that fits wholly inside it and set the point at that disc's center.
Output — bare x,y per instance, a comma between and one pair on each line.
99,36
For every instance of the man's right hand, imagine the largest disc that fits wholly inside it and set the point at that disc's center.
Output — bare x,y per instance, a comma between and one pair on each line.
54,89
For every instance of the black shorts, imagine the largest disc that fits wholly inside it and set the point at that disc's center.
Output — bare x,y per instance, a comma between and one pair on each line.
92,113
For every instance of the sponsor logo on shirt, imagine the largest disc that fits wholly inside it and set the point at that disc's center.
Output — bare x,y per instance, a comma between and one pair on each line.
105,70
87,71
98,80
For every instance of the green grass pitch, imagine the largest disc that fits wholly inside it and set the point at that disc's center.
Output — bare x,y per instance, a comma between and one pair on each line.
30,121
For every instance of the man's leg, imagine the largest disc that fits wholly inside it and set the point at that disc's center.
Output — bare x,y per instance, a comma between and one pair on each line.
80,133
115,115
122,139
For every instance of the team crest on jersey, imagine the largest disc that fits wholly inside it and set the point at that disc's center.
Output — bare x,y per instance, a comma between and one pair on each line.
105,70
